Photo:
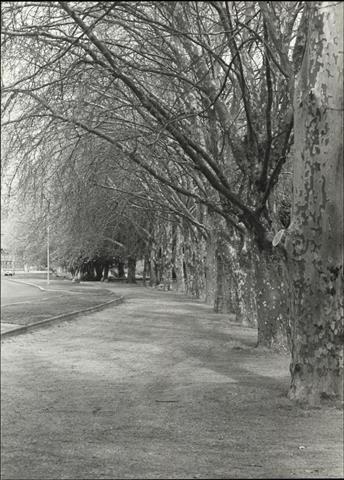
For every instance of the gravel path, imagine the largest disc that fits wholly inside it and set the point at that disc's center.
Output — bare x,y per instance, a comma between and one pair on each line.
158,387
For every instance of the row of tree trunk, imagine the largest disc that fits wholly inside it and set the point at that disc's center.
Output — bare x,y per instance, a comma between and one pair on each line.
247,285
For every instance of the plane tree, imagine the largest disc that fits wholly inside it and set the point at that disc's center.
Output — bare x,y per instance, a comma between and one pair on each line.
211,81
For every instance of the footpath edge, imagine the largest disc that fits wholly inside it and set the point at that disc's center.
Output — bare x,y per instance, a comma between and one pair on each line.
59,318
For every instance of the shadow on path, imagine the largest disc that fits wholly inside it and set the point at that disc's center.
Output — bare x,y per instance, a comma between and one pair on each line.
158,387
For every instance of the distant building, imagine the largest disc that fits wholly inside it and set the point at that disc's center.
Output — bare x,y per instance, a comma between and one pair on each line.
7,262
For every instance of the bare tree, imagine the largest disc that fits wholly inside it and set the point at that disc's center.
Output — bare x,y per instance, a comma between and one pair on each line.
197,94
315,236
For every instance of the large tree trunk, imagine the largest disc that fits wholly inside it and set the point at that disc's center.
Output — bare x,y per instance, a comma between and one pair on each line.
106,268
246,292
226,288
272,301
87,271
194,255
131,278
178,260
98,267
236,293
315,237
210,268
166,271
120,269
152,272
146,269
152,264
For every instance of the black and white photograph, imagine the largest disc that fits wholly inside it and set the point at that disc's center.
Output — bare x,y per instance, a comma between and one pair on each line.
172,240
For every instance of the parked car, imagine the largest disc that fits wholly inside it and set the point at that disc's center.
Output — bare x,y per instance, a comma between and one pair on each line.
9,273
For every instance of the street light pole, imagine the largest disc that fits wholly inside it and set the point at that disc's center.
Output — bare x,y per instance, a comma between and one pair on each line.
48,257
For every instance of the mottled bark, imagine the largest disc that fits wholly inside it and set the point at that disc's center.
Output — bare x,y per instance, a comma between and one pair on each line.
314,239
152,274
225,299
152,265
211,269
246,287
166,258
178,260
236,293
272,301
194,255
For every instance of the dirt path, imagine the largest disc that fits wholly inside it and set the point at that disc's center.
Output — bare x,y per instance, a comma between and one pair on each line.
158,387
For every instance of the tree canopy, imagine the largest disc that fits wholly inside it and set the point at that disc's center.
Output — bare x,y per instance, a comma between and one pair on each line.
164,131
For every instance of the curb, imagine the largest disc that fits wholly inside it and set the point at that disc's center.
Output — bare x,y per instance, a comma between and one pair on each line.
59,318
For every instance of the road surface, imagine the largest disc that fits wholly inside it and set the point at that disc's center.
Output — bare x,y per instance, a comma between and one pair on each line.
24,304
158,387
13,292
19,296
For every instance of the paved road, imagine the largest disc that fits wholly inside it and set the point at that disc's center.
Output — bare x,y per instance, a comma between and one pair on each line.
15,292
24,304
17,295
158,387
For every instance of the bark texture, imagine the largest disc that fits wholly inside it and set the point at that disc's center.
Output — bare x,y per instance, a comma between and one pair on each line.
272,302
194,259
315,237
226,300
166,257
178,260
131,278
236,282
210,270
